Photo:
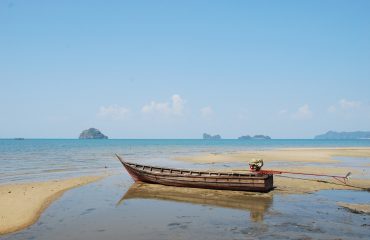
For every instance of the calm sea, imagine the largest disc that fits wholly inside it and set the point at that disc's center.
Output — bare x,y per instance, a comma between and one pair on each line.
37,159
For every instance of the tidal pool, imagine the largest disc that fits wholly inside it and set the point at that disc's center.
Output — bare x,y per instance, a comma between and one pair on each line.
116,208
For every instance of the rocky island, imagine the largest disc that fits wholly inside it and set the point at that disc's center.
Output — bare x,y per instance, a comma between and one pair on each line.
210,137
92,133
247,137
344,135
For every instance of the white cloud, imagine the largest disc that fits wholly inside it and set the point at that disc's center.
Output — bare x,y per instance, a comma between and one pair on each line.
156,107
114,112
303,112
206,112
174,107
177,105
345,106
348,104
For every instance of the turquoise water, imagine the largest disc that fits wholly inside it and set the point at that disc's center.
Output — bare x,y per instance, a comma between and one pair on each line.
37,159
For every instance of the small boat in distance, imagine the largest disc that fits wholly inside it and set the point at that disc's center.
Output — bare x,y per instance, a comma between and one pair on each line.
199,179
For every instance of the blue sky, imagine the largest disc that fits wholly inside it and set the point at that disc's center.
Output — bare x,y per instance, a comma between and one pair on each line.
176,69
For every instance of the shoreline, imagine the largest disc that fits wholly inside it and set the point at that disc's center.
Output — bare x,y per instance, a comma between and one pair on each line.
22,204
302,155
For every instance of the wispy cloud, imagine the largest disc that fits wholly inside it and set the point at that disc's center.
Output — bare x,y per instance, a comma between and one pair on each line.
177,105
348,104
114,112
206,112
303,113
344,105
173,107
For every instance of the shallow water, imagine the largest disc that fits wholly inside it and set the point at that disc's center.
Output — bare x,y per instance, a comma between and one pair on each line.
108,210
41,159
115,208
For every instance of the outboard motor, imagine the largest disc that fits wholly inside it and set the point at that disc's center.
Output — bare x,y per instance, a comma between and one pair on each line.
255,165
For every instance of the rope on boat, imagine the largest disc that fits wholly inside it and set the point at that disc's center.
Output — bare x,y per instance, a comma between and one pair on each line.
255,166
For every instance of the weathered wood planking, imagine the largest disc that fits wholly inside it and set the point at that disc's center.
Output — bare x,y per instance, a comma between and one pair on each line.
199,179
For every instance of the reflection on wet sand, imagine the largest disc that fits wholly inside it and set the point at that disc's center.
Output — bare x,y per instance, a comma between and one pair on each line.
256,203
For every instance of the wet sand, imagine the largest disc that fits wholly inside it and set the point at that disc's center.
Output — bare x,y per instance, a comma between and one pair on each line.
298,184
356,208
294,185
22,204
306,160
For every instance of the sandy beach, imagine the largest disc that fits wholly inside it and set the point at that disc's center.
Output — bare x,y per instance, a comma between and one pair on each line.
22,204
308,155
309,160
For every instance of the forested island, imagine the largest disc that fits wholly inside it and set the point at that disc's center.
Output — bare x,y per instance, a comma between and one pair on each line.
212,137
92,133
344,135
247,137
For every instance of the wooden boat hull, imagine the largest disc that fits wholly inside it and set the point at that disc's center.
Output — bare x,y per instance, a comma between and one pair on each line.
199,179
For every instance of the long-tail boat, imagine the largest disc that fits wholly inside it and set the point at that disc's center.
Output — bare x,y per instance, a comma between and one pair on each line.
199,179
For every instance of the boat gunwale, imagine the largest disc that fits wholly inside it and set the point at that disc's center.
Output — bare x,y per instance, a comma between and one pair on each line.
209,174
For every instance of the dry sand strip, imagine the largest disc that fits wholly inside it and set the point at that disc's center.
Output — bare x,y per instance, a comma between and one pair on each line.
300,184
22,204
313,155
308,160
297,185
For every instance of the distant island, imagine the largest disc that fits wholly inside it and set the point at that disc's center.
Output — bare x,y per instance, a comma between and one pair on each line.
247,137
344,135
92,133
208,136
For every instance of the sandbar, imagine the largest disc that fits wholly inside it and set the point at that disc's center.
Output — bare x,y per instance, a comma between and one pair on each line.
313,155
356,208
307,160
22,204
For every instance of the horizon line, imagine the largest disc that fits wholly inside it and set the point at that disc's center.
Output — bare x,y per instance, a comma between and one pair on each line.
19,138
